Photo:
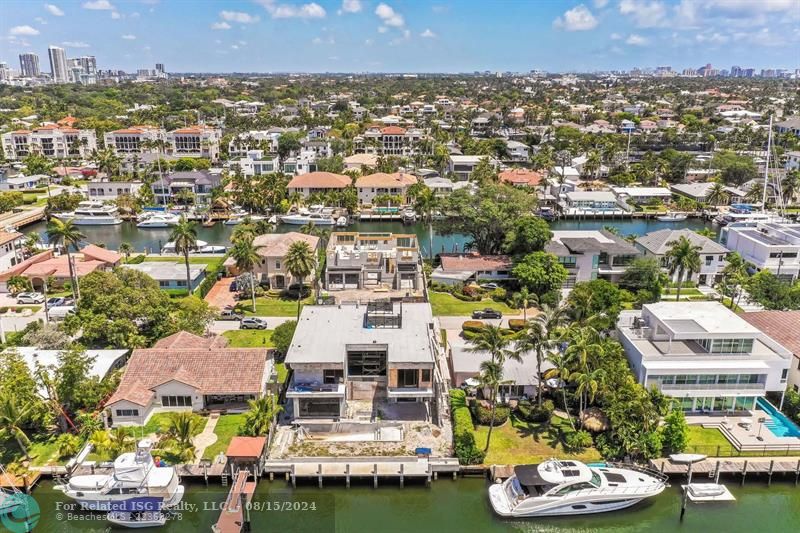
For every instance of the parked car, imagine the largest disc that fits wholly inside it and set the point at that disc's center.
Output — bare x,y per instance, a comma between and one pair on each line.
30,298
487,313
233,287
61,312
55,302
489,286
253,323
229,313
292,290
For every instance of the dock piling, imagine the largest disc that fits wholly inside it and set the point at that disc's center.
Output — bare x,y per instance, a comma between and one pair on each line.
375,476
402,473
319,474
716,473
769,475
294,477
347,475
797,473
744,472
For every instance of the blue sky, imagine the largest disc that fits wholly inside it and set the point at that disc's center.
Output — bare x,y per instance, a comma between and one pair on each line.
406,35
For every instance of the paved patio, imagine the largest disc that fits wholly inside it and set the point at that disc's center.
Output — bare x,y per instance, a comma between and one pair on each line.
756,435
220,294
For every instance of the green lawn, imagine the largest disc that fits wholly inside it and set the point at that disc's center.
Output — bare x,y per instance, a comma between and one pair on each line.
159,423
700,436
684,292
227,427
519,442
249,338
212,262
444,304
283,372
270,306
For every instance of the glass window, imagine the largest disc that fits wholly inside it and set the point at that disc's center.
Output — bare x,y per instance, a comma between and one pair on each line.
708,378
426,375
332,376
408,377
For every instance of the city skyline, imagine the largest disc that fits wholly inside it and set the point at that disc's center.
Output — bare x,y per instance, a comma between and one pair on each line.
363,36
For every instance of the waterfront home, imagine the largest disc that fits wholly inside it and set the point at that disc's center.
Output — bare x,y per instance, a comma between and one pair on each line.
591,203
460,268
20,182
389,140
272,249
195,141
357,161
171,276
783,327
703,354
520,379
768,246
110,190
439,186
378,184
633,196
186,372
517,151
53,141
47,265
373,264
712,254
256,163
792,160
10,249
361,355
318,182
591,254
521,177
699,192
196,183
134,140
463,165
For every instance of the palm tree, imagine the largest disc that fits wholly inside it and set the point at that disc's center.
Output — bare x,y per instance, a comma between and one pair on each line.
539,337
425,203
65,233
101,442
524,299
790,186
12,416
184,235
32,242
246,258
17,284
734,276
300,262
182,428
120,440
755,194
261,414
683,258
126,249
491,377
492,339
717,194
562,371
588,383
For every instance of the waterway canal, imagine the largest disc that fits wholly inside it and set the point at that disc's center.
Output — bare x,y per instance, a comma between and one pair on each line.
453,506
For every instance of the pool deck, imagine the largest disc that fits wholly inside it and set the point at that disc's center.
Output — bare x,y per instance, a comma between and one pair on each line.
756,437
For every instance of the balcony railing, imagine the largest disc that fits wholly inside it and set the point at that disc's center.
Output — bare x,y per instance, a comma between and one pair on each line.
708,386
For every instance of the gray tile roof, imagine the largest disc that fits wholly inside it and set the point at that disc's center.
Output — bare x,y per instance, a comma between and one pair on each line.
657,242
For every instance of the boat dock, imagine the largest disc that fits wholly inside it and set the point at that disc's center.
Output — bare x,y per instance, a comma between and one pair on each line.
396,468
235,514
713,467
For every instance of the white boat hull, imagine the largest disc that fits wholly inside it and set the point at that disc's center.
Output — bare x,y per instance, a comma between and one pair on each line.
676,218
96,221
95,501
557,507
148,519
300,221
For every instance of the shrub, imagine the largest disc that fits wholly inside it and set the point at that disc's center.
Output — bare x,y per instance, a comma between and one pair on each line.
466,450
472,325
282,339
210,279
516,324
466,297
531,412
469,290
483,415
577,441
136,260
499,294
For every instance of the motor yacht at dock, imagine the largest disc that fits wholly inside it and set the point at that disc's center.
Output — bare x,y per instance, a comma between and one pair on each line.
158,220
556,488
134,475
319,215
92,213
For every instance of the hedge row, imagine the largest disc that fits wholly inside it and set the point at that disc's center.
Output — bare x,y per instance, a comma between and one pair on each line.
210,279
466,449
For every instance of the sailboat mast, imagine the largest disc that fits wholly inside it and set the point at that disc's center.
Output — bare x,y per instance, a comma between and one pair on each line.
766,168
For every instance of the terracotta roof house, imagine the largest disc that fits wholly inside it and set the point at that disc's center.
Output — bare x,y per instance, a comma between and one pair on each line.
784,328
185,372
44,265
314,182
471,267
521,177
380,183
272,248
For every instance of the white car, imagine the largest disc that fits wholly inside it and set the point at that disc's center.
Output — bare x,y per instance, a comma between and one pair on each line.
61,312
30,298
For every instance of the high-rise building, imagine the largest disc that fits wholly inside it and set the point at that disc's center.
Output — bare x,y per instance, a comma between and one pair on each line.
736,71
160,68
29,65
89,64
58,64
5,72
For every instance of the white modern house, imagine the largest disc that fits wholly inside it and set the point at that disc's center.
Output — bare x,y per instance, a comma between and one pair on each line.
641,195
591,254
463,165
591,202
111,190
712,254
703,354
347,358
768,246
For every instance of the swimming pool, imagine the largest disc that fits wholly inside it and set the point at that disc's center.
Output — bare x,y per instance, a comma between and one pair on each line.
779,425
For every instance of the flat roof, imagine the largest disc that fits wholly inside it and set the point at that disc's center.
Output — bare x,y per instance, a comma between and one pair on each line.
705,318
324,332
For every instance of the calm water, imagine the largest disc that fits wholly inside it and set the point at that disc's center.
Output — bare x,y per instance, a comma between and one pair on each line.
453,506
153,239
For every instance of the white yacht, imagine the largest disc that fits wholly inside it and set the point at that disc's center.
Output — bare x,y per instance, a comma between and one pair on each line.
672,217
555,488
318,214
92,213
158,220
169,248
135,475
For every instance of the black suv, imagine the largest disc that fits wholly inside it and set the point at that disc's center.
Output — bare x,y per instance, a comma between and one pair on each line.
487,313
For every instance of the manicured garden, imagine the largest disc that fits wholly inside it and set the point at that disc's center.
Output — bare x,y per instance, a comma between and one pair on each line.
228,426
271,306
249,338
444,304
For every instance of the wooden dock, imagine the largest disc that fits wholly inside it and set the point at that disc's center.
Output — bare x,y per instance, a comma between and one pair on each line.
24,482
235,515
713,467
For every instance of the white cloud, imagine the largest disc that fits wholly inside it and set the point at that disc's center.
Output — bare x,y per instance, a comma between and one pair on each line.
129,37
54,10
115,15
311,10
234,47
382,29
221,26
239,16
645,13
75,44
600,3
41,21
428,34
352,6
389,17
636,40
99,5
23,30
579,18
615,36
713,38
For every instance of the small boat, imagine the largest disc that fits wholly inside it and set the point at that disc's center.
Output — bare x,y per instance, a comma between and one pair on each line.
212,249
565,488
169,248
158,220
672,217
317,218
409,216
341,222
686,458
708,492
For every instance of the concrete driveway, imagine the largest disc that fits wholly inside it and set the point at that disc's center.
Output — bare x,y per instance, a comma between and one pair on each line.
220,326
220,294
